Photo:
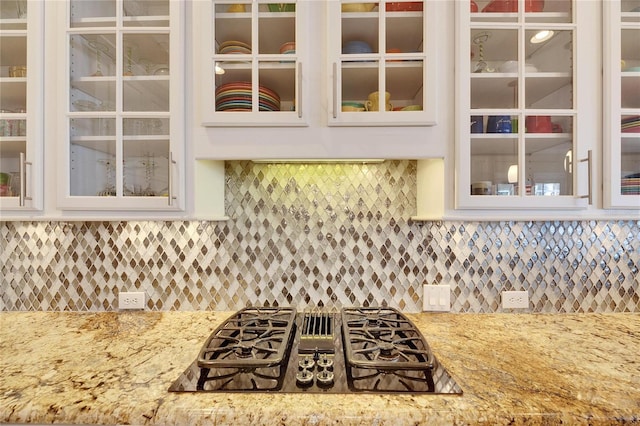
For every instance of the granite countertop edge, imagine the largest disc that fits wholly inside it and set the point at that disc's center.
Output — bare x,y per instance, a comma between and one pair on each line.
116,367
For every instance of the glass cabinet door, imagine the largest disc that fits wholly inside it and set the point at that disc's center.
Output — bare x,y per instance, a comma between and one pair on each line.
380,70
252,63
122,150
517,132
20,111
622,111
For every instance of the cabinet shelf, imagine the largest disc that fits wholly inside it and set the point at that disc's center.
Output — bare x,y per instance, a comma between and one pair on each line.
153,90
14,48
496,90
13,24
137,146
12,145
133,21
14,92
533,17
630,90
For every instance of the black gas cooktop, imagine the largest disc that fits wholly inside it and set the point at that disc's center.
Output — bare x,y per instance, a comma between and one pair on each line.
356,350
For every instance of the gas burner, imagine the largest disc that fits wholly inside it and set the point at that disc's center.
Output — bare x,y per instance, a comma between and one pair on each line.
243,351
387,352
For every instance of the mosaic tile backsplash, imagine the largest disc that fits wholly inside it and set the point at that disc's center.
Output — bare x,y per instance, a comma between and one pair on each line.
320,235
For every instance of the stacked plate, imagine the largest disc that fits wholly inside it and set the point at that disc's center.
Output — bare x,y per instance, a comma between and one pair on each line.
236,96
630,185
234,47
631,124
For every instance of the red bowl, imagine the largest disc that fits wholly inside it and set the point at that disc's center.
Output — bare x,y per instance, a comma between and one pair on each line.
507,6
539,124
411,6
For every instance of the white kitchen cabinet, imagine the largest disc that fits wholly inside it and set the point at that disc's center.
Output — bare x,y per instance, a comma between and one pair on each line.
527,109
622,104
256,55
121,105
311,123
253,63
21,89
384,47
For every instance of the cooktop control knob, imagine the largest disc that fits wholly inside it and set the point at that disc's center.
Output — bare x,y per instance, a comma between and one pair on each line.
325,378
324,361
304,377
306,363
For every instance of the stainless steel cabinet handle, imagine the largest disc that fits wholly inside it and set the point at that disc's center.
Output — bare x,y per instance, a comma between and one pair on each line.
589,161
170,174
23,180
299,102
335,90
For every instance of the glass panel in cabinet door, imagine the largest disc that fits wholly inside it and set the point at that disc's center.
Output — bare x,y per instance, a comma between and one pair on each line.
92,72
146,167
10,150
404,83
95,13
93,166
94,126
549,69
548,11
12,10
404,27
549,164
145,55
277,29
359,28
145,13
492,161
142,92
494,68
277,86
232,29
13,71
234,89
142,126
630,161
360,86
630,11
630,65
493,10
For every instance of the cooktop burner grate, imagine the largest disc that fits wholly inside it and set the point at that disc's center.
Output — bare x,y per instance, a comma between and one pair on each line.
360,350
253,337
383,338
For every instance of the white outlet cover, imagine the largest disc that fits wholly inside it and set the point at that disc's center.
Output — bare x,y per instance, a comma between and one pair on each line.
436,298
515,299
131,300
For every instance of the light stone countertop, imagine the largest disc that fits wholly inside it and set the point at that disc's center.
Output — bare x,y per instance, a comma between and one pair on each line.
115,368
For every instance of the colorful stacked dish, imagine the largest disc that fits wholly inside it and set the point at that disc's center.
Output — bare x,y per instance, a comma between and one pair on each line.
631,124
356,47
282,7
236,96
234,47
630,185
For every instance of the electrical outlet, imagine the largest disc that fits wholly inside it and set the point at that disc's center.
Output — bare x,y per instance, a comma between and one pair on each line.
436,298
515,299
131,300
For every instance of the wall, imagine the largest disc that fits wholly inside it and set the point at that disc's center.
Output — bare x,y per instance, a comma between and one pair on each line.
327,235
